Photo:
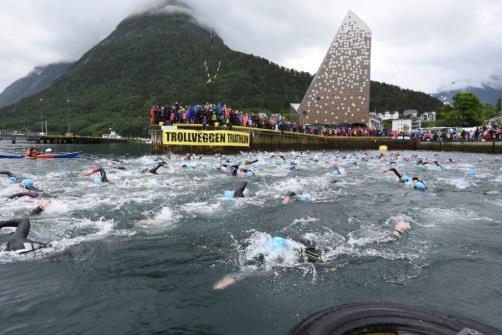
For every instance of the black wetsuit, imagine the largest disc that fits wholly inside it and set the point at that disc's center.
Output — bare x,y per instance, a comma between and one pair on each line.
102,172
239,192
154,169
234,167
8,174
18,241
251,162
396,173
421,162
23,194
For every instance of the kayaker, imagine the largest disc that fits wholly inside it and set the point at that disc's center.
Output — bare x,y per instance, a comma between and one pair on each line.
32,152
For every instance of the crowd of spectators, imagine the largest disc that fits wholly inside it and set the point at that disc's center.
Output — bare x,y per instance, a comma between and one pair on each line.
459,134
220,115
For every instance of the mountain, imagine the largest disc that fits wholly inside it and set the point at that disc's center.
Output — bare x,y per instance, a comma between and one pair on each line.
486,94
37,80
160,58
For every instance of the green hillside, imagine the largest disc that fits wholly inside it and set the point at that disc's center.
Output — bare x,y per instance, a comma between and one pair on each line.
385,97
149,59
160,58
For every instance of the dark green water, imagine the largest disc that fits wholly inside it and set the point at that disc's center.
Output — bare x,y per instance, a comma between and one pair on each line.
141,255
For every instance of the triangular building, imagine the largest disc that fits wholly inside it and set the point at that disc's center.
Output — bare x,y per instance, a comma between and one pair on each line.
340,91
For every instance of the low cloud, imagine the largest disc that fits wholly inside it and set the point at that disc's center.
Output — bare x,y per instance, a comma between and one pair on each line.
425,45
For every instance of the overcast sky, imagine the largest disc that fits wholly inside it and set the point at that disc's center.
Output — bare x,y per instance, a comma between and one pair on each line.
427,45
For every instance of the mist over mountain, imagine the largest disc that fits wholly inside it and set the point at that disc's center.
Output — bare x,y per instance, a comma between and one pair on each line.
486,94
37,80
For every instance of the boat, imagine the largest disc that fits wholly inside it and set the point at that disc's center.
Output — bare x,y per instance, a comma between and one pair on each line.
112,134
45,156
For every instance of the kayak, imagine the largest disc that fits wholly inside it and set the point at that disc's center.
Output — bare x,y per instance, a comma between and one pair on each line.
61,155
46,156
11,156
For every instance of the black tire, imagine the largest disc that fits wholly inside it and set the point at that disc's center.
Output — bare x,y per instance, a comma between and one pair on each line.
366,318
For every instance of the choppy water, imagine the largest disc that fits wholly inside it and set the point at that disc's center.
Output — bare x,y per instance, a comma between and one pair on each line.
142,254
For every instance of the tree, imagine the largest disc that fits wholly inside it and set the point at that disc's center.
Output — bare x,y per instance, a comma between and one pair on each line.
387,124
488,112
468,110
498,106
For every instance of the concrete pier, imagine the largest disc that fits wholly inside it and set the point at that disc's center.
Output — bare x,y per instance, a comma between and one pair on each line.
61,139
271,140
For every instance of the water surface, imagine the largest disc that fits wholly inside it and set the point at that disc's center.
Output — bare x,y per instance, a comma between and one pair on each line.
141,255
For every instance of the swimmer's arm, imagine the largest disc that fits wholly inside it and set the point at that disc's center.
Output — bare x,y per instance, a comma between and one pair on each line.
7,173
40,207
13,223
395,172
227,281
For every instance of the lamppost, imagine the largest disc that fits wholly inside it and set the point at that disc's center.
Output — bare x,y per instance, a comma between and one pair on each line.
68,115
41,115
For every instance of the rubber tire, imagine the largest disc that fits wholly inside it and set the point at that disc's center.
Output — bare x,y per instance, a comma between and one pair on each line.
355,319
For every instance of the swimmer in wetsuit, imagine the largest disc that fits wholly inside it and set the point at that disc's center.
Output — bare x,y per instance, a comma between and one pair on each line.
9,175
154,169
95,169
230,169
402,179
19,242
279,247
422,162
418,184
238,193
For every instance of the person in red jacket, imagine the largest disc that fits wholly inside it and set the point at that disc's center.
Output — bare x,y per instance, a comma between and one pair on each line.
152,115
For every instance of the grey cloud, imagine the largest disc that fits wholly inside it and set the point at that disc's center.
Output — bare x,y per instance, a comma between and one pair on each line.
424,45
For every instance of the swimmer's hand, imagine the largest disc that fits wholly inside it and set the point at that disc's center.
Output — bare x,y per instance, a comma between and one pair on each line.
44,203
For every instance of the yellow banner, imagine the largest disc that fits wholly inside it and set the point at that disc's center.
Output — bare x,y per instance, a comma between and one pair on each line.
206,138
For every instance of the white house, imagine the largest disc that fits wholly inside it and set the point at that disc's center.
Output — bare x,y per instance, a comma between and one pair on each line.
401,125
428,116
388,116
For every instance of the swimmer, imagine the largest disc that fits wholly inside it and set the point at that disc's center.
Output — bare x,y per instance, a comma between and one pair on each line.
114,164
422,162
238,193
336,172
251,162
154,169
402,179
28,184
400,229
18,242
279,247
290,196
279,156
230,169
9,175
418,184
95,169
246,173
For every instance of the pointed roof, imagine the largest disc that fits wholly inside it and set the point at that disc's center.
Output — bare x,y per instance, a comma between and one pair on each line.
352,16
